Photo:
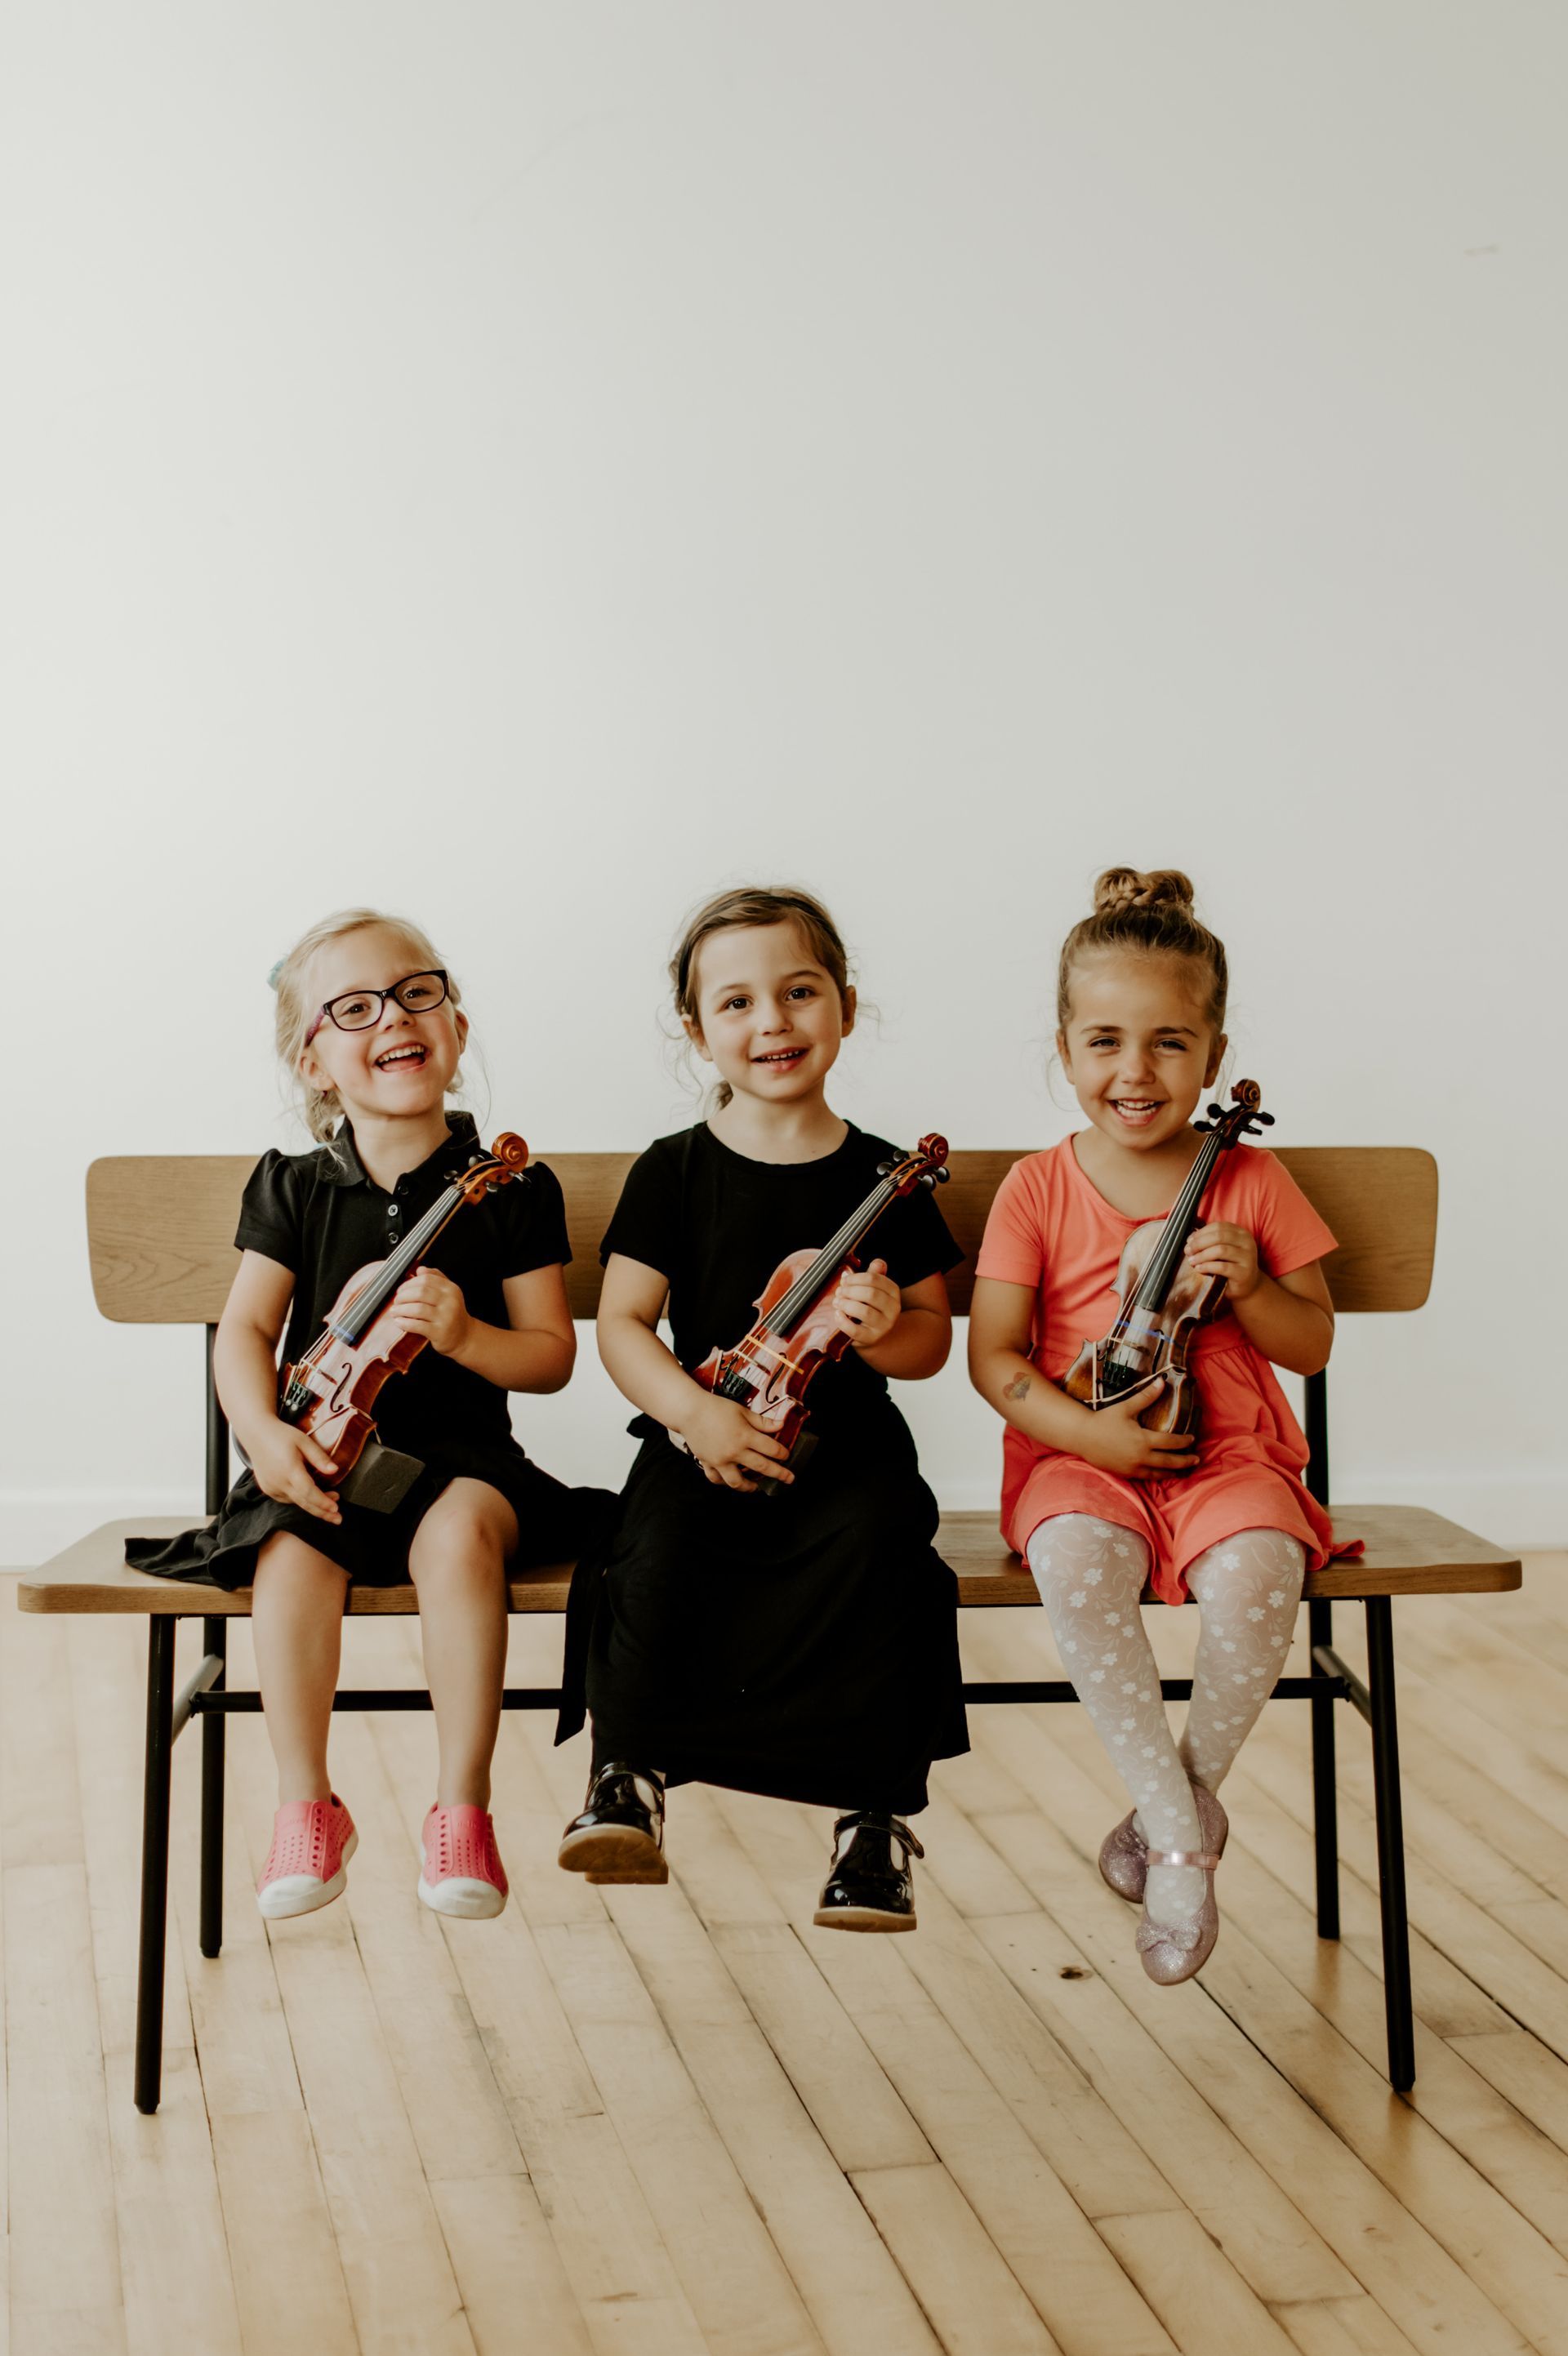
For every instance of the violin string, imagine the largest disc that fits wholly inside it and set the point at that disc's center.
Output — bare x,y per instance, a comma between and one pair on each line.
367,1306
1151,1293
373,1296
806,1287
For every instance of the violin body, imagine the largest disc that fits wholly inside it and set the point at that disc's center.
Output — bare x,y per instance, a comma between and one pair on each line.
770,1370
1149,1344
771,1380
331,1389
1163,1299
344,1382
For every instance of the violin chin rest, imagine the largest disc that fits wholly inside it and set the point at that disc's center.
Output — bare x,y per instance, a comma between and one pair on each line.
380,1479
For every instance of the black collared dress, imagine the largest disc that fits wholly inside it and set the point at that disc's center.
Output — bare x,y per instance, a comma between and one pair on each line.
803,1644
322,1216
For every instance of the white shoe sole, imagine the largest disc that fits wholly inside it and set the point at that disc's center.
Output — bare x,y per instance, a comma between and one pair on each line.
472,1902
302,1893
859,1918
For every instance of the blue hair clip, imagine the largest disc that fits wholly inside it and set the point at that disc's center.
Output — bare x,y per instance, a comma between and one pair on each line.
273,977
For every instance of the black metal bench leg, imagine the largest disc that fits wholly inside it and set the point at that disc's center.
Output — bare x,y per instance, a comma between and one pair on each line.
1325,1793
155,1861
1391,1842
215,1637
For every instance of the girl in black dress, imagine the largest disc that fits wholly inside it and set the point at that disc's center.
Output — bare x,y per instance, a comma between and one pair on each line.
801,1643
371,1023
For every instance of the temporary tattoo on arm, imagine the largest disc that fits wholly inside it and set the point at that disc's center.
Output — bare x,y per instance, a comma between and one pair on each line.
1017,1389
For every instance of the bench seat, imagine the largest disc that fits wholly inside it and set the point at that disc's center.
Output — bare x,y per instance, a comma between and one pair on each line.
1409,1552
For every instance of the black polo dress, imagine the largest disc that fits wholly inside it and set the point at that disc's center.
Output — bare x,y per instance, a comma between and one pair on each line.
323,1217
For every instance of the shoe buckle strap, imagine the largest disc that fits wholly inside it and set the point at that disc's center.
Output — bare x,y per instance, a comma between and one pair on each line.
873,1820
1203,1857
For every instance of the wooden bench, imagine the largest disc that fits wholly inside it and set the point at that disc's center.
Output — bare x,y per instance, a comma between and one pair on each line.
159,1232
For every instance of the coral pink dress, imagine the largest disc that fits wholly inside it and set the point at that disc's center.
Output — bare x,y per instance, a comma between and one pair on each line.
1051,1230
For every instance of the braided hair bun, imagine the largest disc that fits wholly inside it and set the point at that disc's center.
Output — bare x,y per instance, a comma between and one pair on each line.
1127,887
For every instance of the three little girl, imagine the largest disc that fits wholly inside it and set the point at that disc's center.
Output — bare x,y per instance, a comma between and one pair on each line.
802,1641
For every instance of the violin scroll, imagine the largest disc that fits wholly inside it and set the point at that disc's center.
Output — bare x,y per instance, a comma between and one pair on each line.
1244,1119
926,1166
507,1159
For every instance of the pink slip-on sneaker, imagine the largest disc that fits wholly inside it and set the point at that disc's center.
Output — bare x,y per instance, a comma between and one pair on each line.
463,1871
306,1864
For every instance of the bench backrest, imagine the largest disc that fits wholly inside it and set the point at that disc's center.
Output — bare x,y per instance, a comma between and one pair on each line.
160,1227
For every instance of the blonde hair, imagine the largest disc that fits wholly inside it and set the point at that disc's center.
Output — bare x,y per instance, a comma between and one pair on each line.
322,1109
750,903
1152,912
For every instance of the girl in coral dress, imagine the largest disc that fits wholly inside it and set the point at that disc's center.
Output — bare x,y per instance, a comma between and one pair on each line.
1097,1503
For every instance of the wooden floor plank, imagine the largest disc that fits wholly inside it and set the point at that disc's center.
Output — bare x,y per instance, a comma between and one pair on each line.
627,2289
1199,2297
974,2303
173,2256
1341,2326
400,2285
1074,2281
856,2296
66,2290
1393,2257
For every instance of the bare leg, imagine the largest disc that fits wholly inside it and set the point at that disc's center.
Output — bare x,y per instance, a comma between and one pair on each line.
297,1625
457,1564
1248,1589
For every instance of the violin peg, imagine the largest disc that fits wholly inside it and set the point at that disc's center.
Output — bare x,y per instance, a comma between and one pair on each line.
882,1168
943,1175
1266,1118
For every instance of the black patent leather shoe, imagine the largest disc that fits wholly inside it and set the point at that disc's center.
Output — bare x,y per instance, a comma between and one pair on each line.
619,1837
870,1886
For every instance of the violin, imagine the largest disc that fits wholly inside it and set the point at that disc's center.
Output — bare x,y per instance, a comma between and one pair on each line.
331,1390
1163,1299
771,1369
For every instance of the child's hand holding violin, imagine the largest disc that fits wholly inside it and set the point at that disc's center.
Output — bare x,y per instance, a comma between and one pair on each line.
867,1306
430,1305
1118,1442
731,1444
1228,1251
285,1462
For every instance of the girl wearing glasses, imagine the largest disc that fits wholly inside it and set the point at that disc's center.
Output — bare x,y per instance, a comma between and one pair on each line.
371,1026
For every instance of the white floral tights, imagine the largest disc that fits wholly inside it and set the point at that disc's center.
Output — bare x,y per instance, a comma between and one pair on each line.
1090,1575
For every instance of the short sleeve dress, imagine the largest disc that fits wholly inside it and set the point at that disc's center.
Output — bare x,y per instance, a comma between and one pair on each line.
1052,1229
805,1644
321,1216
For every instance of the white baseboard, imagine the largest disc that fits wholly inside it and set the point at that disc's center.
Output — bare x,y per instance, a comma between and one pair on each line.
1527,1511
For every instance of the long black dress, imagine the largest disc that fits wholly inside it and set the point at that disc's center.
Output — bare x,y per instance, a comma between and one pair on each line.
321,1216
803,1644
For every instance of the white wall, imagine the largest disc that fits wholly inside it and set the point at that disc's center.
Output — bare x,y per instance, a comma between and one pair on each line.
528,464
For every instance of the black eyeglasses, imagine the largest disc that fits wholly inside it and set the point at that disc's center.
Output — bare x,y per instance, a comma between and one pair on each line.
361,1009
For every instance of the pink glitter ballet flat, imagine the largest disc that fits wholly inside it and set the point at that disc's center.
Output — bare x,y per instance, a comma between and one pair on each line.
1173,1952
1124,1853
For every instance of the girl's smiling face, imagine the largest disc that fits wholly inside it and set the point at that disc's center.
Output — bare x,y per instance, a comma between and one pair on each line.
402,1066
770,1017
1139,1047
